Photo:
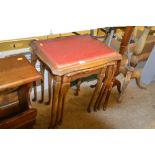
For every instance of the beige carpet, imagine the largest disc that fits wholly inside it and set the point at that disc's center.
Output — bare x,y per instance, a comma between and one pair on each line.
137,110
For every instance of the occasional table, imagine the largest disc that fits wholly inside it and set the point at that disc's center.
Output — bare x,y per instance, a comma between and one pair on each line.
71,58
16,76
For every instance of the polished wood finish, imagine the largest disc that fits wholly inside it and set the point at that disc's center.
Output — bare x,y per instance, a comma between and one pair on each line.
50,95
22,120
63,67
16,77
42,71
140,50
145,52
124,43
98,88
55,100
16,71
75,64
33,62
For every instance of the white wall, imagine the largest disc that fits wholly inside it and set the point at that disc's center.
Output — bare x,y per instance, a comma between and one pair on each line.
28,18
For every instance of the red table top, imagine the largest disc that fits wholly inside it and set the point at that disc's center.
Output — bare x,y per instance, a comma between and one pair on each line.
73,49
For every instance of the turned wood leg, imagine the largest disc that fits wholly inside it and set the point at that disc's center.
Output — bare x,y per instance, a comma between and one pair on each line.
136,75
49,89
125,84
78,87
54,104
65,88
33,62
97,89
42,71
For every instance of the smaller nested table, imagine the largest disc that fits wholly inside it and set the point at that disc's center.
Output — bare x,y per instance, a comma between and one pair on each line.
72,58
16,76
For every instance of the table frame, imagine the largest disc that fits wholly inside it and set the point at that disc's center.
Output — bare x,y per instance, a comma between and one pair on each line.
61,83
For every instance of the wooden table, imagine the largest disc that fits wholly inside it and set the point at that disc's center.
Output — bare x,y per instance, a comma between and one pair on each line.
71,58
16,76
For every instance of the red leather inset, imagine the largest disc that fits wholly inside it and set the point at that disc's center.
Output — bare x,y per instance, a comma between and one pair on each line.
73,49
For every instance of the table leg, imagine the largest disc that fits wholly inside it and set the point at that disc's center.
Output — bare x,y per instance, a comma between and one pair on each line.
107,95
62,101
35,91
100,96
79,81
97,89
49,89
54,104
33,62
102,91
109,86
42,71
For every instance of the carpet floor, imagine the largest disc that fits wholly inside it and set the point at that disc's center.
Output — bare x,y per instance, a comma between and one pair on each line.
136,111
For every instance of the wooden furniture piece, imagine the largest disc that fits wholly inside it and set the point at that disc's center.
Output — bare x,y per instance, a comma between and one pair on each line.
139,51
143,47
121,67
42,72
16,76
72,58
